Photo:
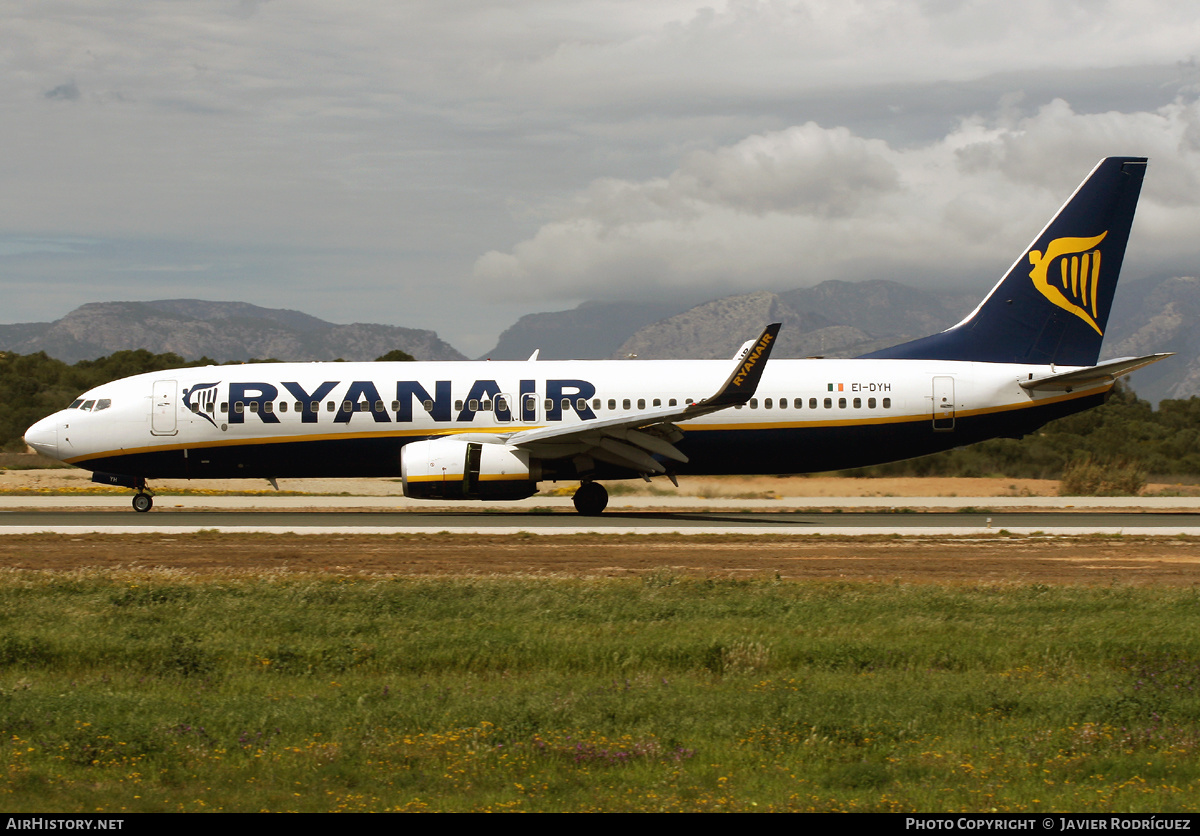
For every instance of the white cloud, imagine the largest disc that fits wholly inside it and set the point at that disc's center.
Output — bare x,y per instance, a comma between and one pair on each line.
679,142
795,207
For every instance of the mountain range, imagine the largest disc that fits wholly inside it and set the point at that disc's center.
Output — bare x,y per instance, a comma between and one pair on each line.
832,319
223,331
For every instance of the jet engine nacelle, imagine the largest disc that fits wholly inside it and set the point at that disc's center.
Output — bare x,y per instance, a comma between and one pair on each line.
447,468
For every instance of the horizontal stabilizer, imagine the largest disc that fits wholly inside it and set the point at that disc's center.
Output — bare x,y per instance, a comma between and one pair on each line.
1091,376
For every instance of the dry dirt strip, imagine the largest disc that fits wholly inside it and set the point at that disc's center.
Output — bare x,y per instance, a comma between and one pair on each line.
994,559
584,529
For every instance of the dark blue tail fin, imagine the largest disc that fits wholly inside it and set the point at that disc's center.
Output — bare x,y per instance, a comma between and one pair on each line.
1052,306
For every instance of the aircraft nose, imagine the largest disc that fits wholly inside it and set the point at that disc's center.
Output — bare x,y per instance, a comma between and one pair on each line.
43,436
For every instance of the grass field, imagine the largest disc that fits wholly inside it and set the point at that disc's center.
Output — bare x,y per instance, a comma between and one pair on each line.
273,691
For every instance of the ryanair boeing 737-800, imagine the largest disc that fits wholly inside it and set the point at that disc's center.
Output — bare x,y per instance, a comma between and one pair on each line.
493,430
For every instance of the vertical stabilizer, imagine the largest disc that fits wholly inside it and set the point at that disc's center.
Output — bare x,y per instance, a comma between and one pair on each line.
1052,306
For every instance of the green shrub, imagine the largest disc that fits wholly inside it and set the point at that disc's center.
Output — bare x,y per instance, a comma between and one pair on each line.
1098,477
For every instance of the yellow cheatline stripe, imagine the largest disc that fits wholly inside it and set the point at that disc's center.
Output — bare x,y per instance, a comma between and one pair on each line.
429,433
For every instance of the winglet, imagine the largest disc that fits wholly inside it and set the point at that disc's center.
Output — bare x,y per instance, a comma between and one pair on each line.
743,381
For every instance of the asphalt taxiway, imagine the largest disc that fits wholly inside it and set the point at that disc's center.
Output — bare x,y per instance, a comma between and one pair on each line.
324,515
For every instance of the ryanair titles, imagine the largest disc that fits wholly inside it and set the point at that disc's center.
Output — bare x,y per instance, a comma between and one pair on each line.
339,402
752,358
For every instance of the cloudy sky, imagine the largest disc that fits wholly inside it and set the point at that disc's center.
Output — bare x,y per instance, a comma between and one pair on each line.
453,165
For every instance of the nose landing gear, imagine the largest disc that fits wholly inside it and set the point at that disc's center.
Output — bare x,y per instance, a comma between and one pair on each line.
143,500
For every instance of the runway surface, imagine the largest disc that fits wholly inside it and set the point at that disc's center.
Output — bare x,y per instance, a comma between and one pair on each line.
902,521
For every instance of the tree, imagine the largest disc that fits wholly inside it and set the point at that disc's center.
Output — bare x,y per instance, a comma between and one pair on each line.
396,356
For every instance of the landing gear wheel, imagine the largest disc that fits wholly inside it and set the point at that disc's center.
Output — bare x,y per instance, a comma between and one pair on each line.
142,502
591,499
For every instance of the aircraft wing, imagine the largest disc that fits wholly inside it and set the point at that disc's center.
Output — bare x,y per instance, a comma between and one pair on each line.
1092,375
630,440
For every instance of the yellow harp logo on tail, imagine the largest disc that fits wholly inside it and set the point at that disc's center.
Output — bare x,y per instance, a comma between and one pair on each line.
1073,286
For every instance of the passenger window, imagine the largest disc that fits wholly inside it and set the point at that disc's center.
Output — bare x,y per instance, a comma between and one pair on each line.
754,403
641,403
283,406
767,403
314,406
269,406
870,403
548,405
565,404
580,405
254,406
396,406
224,407
812,403
428,405
688,400
658,401
858,403
329,406
238,407
829,403
347,406
672,402
208,407
379,406
887,403
612,403
626,404
841,403
195,407
596,403
501,405
300,406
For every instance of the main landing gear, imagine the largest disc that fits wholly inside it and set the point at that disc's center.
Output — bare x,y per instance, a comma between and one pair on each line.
591,499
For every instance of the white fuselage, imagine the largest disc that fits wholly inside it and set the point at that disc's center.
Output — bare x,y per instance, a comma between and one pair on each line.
352,419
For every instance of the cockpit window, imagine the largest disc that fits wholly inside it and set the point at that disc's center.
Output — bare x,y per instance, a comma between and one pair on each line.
103,403
87,406
75,403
